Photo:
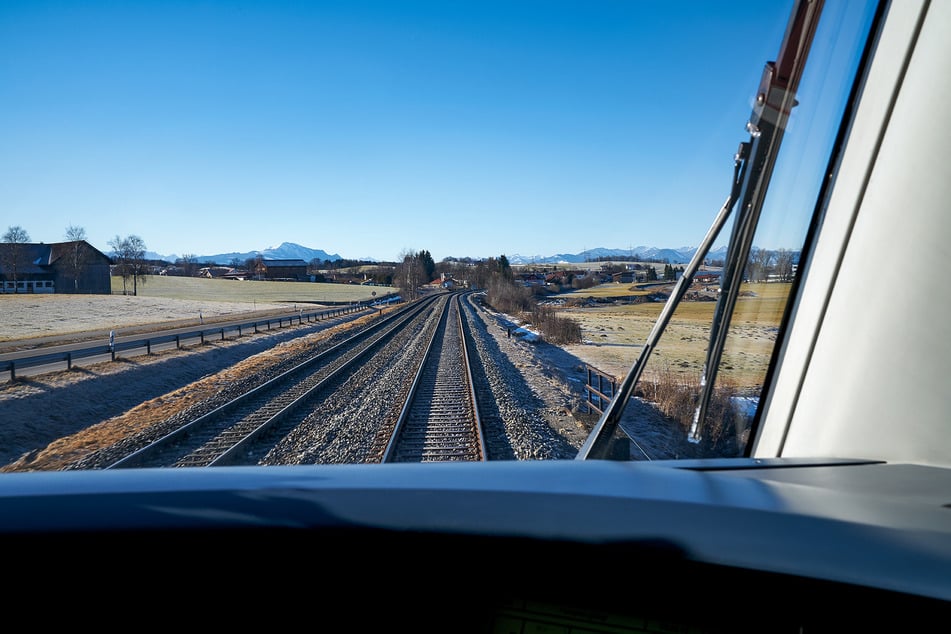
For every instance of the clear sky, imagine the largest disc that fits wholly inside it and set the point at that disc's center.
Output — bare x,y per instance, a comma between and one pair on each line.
369,129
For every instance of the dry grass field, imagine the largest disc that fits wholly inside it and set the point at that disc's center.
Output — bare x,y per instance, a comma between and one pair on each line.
170,301
251,291
614,334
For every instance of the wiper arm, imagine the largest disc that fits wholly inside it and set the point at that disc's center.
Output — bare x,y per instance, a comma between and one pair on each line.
775,100
599,440
753,166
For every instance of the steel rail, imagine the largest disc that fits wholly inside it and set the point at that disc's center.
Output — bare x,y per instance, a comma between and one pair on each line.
305,377
440,420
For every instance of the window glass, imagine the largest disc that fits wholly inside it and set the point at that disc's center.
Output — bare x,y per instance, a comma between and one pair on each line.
477,130
671,383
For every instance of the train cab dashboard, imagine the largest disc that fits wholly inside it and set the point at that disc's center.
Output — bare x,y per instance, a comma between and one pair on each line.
595,546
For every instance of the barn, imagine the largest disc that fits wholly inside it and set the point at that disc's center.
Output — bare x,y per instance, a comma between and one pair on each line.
63,267
284,270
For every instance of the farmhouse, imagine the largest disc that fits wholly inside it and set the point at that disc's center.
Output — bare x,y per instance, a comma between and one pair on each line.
629,277
63,267
214,272
707,277
284,270
445,281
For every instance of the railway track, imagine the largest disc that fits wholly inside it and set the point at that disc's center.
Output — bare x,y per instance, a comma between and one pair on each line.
435,415
440,421
228,434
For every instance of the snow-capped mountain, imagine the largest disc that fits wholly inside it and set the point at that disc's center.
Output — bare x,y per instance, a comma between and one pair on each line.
286,251
673,256
292,251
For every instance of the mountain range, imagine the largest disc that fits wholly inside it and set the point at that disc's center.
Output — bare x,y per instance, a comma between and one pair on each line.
644,253
292,251
286,251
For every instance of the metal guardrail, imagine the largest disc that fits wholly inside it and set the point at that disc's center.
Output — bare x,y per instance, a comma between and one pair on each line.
599,389
255,326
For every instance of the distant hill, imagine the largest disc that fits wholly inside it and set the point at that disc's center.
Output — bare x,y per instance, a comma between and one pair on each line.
673,256
286,251
291,251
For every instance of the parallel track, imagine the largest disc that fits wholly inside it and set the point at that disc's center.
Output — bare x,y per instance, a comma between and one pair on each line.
438,421
221,436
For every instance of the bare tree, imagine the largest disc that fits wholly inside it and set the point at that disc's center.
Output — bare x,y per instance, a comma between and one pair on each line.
130,261
189,264
139,268
255,267
758,265
78,256
122,268
410,275
784,265
14,255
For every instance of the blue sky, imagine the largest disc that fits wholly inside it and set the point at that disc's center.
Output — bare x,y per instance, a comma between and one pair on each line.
369,129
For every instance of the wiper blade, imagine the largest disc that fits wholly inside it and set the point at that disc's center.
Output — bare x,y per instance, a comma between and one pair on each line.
775,100
599,441
753,166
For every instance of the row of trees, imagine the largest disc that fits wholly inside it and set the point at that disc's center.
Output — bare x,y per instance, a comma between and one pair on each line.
414,270
506,295
130,262
503,292
763,263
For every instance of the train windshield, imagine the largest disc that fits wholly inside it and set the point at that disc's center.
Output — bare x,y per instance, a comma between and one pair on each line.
703,364
562,165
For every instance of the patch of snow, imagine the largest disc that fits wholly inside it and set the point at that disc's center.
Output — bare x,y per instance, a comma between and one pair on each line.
745,405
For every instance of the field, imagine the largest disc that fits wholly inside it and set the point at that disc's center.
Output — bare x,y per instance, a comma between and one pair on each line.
169,301
251,291
613,337
614,334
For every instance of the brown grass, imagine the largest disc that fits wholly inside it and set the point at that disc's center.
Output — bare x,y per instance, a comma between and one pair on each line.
251,291
723,431
616,332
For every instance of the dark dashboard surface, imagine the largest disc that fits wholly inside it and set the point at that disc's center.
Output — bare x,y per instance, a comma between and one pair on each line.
684,543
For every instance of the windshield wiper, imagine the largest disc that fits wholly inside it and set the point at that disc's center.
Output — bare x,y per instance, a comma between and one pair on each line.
753,167
775,100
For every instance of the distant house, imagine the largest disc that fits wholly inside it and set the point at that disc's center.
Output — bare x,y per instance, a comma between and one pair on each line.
236,274
63,267
446,281
707,277
214,272
284,270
